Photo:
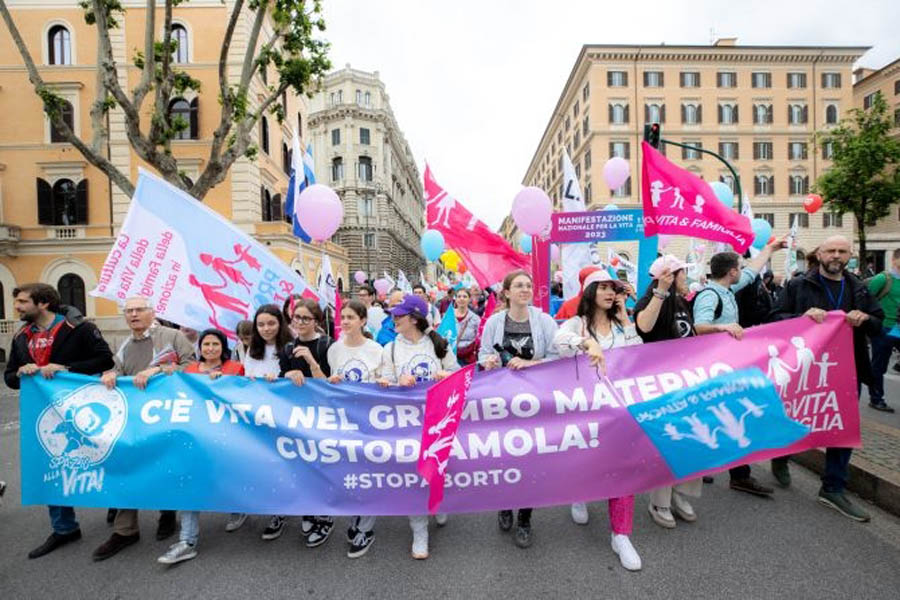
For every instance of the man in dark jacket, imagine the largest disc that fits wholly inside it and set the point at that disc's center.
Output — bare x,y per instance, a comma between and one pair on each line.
830,287
51,342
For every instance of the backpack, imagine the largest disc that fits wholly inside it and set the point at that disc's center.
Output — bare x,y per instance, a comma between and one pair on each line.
886,288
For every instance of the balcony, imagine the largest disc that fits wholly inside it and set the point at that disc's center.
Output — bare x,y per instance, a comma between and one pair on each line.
10,235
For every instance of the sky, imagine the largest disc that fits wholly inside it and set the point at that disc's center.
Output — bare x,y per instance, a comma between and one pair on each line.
474,83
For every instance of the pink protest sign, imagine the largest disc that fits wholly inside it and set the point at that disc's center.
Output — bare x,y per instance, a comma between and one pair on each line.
444,403
678,202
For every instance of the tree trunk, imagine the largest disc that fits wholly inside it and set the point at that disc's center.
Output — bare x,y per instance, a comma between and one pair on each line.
861,232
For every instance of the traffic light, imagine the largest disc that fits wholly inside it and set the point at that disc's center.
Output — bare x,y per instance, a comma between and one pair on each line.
651,134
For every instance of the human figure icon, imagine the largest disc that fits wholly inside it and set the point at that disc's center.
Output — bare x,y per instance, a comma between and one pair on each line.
778,371
678,200
656,190
698,204
805,359
824,365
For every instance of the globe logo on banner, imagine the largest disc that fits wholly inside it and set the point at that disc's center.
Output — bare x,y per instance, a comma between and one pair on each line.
717,422
80,429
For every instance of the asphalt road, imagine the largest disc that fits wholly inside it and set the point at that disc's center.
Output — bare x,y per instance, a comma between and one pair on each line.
741,547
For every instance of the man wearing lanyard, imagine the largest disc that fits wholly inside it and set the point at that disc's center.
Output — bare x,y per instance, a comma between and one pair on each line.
830,287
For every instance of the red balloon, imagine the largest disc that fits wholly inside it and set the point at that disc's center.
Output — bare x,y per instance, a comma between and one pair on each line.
812,203
462,268
771,239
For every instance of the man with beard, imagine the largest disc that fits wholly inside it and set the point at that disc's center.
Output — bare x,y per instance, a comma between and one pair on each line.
831,287
50,342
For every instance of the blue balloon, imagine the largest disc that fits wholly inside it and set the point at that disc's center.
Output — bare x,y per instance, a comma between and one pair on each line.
723,193
432,244
525,243
762,231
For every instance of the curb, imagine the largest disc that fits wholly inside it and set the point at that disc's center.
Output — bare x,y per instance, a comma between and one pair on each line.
871,482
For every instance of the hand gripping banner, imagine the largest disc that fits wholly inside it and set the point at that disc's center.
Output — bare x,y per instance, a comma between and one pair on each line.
552,434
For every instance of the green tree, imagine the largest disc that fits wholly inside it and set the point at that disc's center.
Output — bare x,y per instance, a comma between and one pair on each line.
293,51
864,179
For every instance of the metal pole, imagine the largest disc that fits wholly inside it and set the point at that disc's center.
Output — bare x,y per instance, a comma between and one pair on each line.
737,179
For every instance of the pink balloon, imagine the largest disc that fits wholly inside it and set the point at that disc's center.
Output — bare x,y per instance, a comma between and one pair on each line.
554,253
382,286
319,211
558,277
359,277
615,172
531,210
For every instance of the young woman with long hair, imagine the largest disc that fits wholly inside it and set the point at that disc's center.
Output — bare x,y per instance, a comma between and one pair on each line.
215,361
467,326
662,313
356,358
602,324
417,354
517,336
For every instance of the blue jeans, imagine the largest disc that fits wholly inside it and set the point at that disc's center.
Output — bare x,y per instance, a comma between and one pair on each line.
62,519
882,346
190,527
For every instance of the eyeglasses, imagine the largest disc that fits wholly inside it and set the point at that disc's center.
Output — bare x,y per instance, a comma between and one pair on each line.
134,311
302,319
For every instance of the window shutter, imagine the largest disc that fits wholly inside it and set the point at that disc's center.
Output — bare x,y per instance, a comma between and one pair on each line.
806,184
755,151
771,185
195,120
789,113
681,79
626,113
737,150
610,113
823,79
611,150
791,184
662,79
735,113
277,215
262,203
646,78
699,113
756,186
609,79
755,114
805,114
662,115
81,203
683,116
719,112
718,80
837,80
804,151
768,79
627,150
646,108
45,202
625,78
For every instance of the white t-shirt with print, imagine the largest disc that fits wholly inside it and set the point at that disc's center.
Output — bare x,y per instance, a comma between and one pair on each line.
356,364
402,357
267,365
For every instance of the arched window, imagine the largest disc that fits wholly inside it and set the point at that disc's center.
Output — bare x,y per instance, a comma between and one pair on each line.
654,115
617,114
68,117
264,134
180,114
762,113
691,114
799,185
729,181
831,116
337,168
63,203
180,37
763,185
71,291
59,46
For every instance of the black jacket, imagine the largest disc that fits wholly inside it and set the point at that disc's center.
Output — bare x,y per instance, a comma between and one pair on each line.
805,291
78,345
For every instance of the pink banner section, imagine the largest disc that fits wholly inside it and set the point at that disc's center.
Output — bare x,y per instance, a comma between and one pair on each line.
678,202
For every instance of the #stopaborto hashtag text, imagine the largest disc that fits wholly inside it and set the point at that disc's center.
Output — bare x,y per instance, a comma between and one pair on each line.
462,479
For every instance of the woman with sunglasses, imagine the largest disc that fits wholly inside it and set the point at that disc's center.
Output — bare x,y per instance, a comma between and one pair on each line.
307,356
602,324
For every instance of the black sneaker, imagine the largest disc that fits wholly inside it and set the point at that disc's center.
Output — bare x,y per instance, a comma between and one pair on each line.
167,525
708,479
505,520
360,543
115,544
882,406
839,502
55,541
352,532
523,534
751,486
111,516
320,532
274,529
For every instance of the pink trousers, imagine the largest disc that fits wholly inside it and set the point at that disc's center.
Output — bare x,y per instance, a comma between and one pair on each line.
621,514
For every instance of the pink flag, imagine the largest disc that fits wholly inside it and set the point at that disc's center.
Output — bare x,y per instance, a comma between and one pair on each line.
678,202
540,270
487,255
338,305
444,402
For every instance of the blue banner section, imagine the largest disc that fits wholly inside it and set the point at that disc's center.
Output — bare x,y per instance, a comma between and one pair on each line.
717,422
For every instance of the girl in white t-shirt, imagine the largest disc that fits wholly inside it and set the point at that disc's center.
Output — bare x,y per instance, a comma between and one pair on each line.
356,357
417,354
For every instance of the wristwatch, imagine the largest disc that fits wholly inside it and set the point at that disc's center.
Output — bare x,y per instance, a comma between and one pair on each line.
660,295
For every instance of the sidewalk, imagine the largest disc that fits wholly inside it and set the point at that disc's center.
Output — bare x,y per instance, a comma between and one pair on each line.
874,468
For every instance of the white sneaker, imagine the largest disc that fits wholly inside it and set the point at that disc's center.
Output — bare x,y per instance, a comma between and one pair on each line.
420,544
178,552
440,519
235,521
628,556
682,508
662,516
580,513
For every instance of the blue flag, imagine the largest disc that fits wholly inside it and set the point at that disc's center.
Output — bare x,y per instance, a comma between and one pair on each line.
448,328
302,163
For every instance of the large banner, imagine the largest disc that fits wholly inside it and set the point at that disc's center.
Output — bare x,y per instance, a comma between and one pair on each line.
196,268
552,434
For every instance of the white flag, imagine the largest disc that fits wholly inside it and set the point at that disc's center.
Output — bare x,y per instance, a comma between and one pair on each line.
747,211
326,285
390,280
574,256
403,283
790,258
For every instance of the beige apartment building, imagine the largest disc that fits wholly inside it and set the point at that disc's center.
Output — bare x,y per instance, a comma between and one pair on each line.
757,105
360,151
885,236
59,214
